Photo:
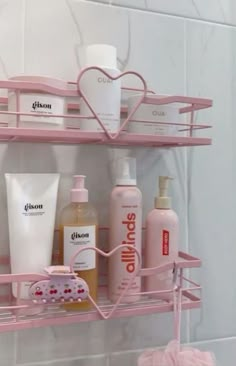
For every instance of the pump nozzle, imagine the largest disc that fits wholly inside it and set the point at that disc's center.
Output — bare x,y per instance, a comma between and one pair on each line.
126,172
163,201
79,181
78,192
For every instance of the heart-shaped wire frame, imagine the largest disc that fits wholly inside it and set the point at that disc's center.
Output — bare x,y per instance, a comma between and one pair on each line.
111,136
107,315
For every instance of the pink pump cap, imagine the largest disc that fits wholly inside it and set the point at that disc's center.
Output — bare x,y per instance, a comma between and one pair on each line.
78,192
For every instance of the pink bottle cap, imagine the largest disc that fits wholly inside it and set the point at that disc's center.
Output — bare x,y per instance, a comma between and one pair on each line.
78,192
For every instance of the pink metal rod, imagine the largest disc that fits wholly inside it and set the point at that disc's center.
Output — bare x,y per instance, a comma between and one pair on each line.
4,260
137,90
72,116
190,295
3,100
14,307
11,324
149,91
22,277
189,290
109,135
71,136
185,260
76,106
29,86
195,127
17,107
168,123
190,281
195,103
124,109
76,116
156,270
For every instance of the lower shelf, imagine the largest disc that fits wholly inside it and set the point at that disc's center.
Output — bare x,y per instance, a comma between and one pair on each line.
53,314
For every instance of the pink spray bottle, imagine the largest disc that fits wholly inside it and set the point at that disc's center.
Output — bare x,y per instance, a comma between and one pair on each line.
125,228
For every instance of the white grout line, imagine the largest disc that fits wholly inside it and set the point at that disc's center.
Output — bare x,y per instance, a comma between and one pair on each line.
162,13
192,344
23,35
127,352
188,319
15,349
62,360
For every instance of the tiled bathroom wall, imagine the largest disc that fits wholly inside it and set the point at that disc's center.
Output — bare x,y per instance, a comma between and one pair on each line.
180,47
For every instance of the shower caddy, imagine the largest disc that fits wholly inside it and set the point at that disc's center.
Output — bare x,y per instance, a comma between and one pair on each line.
12,310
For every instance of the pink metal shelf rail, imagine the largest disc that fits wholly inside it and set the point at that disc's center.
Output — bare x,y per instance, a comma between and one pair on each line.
185,137
53,313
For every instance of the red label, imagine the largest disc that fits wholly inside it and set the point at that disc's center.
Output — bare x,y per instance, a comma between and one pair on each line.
165,242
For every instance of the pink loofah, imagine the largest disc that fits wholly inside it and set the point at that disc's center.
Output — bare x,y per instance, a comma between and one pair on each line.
174,355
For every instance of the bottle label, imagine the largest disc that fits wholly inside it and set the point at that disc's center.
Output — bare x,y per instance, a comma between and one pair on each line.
76,237
165,242
123,264
128,255
37,104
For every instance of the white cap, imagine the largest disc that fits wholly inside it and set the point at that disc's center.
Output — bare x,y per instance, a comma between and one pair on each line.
126,172
163,201
102,55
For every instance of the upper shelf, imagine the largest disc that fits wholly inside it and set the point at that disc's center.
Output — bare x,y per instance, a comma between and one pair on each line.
72,136
185,135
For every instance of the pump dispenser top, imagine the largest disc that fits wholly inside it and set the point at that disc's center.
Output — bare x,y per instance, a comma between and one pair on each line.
78,192
126,172
163,201
103,55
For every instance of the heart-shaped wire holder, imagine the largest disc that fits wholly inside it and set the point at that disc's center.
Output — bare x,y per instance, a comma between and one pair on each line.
108,314
142,91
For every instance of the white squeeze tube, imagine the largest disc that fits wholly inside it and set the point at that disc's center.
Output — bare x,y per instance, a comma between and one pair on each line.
31,200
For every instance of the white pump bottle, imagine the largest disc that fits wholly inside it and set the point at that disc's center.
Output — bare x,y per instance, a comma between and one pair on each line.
162,237
103,93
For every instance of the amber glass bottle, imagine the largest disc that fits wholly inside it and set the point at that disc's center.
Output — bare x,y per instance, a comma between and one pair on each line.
79,227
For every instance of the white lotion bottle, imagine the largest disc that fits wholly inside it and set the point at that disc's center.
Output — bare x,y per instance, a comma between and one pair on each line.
162,240
31,200
125,228
103,93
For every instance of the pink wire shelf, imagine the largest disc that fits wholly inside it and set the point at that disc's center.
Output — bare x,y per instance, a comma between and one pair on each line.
185,130
54,314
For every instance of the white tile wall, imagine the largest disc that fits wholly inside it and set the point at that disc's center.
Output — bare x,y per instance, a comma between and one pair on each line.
220,11
91,361
176,54
60,343
8,349
211,173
